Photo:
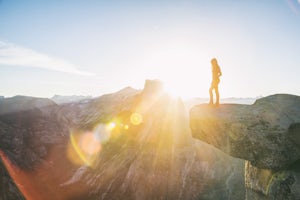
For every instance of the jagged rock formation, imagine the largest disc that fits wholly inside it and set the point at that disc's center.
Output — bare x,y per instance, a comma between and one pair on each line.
127,145
266,134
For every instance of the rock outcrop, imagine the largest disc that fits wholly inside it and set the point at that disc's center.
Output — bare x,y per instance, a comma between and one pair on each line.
127,145
265,134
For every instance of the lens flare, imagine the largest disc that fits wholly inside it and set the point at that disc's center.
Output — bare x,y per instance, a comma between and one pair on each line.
111,126
294,6
75,140
74,155
89,144
126,127
85,146
136,119
103,132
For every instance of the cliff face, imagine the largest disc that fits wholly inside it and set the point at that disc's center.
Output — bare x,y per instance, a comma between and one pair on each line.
127,145
265,134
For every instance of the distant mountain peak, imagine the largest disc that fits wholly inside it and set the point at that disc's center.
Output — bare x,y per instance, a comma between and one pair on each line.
22,103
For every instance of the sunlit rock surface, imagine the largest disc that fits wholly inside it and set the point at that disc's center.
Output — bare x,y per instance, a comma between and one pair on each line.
266,134
127,145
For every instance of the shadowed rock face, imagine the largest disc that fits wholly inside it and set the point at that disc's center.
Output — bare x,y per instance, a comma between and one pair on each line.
268,184
266,134
8,106
127,145
8,189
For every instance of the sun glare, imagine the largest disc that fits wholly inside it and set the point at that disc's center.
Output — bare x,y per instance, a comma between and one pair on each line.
136,119
111,126
187,88
85,146
182,66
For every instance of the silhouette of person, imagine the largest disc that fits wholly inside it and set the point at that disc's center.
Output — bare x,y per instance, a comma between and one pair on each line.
216,73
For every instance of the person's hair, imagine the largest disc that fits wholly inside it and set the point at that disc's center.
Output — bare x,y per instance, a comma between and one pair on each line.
214,61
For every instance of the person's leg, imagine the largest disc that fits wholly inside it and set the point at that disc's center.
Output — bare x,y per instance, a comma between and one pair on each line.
211,101
217,95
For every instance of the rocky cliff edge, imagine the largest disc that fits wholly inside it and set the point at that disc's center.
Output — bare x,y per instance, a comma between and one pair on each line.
265,134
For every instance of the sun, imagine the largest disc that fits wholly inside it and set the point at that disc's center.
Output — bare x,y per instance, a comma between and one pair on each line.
183,67
183,73
187,87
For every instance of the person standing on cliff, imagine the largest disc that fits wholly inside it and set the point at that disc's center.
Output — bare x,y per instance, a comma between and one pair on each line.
216,73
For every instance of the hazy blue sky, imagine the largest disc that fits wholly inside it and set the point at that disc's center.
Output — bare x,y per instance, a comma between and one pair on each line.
89,47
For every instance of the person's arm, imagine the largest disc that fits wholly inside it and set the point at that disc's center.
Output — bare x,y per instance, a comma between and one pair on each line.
220,72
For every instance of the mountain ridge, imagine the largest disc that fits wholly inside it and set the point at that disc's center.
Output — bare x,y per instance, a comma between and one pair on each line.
139,147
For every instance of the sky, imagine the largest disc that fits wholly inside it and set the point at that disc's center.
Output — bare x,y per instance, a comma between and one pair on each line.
77,47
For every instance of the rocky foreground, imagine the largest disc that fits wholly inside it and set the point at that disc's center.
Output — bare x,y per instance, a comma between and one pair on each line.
127,145
265,134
